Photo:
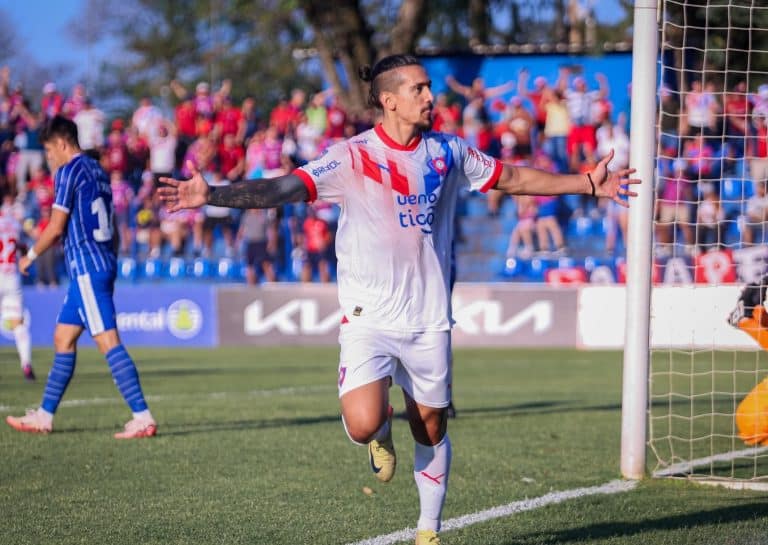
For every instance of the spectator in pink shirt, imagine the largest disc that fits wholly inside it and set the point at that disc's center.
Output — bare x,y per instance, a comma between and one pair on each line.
122,199
674,207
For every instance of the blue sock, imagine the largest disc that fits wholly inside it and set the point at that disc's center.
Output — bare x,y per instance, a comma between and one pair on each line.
58,380
126,378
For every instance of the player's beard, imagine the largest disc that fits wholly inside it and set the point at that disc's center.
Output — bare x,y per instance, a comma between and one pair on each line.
425,124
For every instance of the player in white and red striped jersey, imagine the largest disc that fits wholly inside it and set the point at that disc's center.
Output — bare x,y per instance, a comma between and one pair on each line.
397,186
11,301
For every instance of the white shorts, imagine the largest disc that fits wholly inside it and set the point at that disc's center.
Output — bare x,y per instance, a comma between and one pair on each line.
419,362
10,297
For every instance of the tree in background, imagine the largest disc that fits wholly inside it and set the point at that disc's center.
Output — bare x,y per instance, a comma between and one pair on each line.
262,46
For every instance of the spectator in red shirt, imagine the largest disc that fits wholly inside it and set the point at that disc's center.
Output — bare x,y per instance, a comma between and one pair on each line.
41,186
758,151
52,101
137,157
540,90
282,117
317,244
737,112
230,120
444,112
337,119
231,158
186,128
115,156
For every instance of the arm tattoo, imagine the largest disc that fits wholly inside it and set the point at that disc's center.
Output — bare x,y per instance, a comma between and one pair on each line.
262,193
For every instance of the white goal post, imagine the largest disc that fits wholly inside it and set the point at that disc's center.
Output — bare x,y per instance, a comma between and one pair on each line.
634,399
699,139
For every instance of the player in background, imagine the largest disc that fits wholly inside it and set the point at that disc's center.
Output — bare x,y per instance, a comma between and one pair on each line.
397,185
11,302
83,215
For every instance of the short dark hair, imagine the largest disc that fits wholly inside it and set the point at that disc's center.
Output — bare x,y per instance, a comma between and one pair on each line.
59,127
378,78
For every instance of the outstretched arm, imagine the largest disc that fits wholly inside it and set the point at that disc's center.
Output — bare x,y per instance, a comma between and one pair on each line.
458,88
532,181
492,92
262,193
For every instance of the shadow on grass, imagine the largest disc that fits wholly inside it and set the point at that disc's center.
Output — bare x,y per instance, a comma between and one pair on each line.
255,424
548,407
619,529
178,430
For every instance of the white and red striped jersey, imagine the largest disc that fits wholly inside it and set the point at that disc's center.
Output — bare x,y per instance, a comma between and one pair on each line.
10,233
397,222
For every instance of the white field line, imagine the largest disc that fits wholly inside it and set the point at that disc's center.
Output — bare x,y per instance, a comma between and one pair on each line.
688,467
612,487
266,392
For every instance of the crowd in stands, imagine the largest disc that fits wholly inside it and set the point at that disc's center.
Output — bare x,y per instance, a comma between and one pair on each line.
564,125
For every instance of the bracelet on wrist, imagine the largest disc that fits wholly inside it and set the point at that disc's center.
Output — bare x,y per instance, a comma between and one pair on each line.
31,254
591,183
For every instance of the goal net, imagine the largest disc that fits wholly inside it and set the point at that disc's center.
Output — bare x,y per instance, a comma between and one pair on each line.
710,238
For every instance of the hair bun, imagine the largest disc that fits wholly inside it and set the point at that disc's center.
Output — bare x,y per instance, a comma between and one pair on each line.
365,73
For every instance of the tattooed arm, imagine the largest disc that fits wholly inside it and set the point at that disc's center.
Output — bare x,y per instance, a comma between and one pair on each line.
264,193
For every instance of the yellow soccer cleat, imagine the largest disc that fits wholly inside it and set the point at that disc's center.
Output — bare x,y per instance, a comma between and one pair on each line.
427,537
382,455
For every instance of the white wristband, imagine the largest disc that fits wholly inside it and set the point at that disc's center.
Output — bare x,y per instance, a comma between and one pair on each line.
32,254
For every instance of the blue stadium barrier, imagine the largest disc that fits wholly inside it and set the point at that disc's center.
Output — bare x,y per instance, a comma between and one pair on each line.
126,268
228,270
199,269
152,269
176,269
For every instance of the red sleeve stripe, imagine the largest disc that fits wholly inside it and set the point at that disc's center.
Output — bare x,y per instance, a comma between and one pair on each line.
309,182
494,177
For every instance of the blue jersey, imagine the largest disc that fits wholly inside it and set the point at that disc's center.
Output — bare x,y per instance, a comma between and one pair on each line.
84,193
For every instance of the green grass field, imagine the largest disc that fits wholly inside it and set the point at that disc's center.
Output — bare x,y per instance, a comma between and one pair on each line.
251,450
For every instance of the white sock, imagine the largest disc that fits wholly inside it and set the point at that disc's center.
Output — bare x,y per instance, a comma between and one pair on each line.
431,466
143,415
23,345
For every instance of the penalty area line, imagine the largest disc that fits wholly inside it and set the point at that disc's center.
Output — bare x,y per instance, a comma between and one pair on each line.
612,487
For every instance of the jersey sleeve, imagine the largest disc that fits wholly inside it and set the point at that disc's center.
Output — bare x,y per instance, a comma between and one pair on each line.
480,170
324,177
65,189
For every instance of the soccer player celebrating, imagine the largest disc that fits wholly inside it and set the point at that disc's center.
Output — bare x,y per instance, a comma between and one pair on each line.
83,215
397,185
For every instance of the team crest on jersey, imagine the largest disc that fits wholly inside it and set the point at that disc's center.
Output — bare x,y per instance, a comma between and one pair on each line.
439,165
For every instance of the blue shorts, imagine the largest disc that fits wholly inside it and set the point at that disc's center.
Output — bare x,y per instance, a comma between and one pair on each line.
89,303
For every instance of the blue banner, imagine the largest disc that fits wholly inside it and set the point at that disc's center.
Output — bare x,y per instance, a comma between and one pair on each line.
180,315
